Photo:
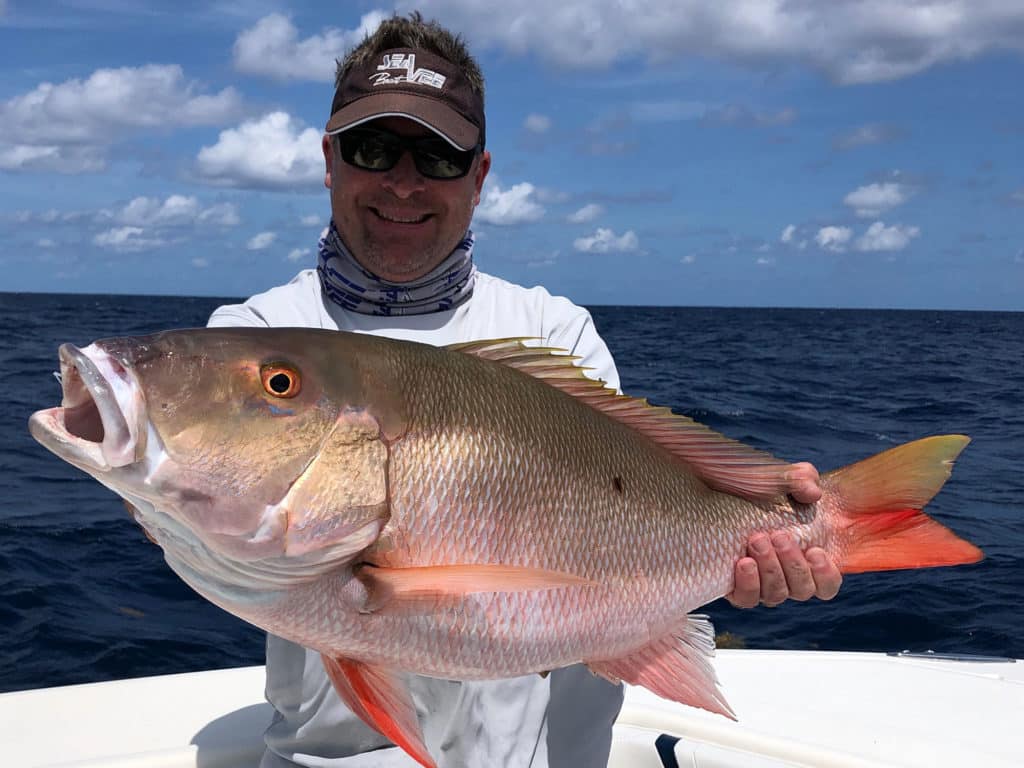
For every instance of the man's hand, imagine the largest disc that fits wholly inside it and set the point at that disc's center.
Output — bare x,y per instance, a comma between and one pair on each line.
775,569
803,482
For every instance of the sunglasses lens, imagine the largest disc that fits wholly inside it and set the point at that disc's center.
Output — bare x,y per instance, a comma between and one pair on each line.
369,150
437,159
380,151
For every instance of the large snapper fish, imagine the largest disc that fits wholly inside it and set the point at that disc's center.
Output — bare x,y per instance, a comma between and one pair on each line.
479,511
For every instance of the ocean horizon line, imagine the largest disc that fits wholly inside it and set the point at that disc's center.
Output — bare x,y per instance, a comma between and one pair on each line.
808,308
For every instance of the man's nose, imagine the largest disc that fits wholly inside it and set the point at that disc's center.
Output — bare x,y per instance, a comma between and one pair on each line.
404,180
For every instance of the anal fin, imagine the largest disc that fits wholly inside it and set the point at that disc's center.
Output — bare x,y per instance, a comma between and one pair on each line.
676,666
380,698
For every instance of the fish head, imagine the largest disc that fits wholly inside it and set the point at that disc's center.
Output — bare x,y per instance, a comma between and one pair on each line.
212,435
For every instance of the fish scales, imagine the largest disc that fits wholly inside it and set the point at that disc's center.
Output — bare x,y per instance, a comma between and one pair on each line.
528,478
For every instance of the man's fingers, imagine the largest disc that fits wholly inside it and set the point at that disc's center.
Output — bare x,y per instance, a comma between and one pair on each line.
776,569
799,577
747,592
804,482
773,579
827,578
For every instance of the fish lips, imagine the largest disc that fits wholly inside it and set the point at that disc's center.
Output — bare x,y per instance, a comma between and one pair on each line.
101,423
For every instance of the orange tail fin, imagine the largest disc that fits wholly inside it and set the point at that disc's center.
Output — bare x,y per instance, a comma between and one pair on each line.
880,498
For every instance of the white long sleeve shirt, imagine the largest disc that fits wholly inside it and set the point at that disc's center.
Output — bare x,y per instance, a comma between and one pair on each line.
526,722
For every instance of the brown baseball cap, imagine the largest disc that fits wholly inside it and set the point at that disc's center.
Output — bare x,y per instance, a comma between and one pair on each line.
412,83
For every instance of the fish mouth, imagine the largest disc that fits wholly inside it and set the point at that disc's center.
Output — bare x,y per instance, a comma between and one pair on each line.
100,424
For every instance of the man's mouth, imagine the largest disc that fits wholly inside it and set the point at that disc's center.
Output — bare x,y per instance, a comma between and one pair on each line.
400,217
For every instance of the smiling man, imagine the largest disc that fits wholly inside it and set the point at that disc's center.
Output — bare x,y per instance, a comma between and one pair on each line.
405,162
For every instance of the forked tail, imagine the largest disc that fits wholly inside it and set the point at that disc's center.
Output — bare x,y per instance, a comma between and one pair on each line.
881,526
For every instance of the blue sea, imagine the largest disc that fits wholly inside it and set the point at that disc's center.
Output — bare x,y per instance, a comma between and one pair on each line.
86,597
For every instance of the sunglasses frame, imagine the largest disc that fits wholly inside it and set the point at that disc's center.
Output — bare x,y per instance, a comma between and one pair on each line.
407,144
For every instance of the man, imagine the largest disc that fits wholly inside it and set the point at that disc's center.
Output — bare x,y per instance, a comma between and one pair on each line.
405,164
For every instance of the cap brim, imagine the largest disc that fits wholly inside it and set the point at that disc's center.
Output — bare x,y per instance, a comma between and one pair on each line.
439,117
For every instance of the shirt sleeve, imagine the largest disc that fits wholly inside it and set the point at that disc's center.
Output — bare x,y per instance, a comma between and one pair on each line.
234,315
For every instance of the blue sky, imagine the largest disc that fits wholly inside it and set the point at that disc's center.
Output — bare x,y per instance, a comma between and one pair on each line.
845,154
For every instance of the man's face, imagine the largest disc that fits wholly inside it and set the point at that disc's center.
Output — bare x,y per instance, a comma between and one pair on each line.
399,224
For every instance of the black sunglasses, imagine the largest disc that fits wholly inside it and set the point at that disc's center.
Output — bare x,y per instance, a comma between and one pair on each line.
372,149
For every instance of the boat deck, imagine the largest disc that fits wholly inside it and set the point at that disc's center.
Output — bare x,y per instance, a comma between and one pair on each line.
821,709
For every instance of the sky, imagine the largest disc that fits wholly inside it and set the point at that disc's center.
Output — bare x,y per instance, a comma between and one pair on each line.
852,153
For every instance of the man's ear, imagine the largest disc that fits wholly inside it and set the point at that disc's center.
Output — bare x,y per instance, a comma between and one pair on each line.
328,147
481,173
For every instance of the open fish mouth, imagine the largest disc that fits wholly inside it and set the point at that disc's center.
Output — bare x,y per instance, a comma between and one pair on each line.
100,423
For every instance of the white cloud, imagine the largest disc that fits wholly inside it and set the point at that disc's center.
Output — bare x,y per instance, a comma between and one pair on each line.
127,240
587,213
51,158
299,254
200,263
737,114
140,224
853,41
21,157
689,258
543,262
109,103
1017,196
879,237
872,133
275,151
666,111
68,127
272,48
262,241
765,261
606,241
787,234
313,220
682,110
42,217
174,211
149,211
872,200
515,205
547,195
220,215
833,238
45,242
535,123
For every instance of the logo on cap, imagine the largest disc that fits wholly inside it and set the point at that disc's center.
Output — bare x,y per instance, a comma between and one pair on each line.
406,62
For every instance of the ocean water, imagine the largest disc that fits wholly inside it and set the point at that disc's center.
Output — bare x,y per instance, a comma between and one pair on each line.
86,597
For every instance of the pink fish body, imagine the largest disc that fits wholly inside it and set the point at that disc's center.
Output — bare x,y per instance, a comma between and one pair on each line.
476,512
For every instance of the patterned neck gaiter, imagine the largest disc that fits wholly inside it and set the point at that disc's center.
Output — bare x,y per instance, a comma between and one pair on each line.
349,285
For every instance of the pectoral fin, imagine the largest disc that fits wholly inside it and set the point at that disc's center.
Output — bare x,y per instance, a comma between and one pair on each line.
380,698
676,667
386,586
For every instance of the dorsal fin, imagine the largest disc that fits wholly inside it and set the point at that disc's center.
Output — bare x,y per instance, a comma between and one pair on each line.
723,463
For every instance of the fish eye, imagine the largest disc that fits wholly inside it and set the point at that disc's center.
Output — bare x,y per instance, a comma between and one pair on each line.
280,380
